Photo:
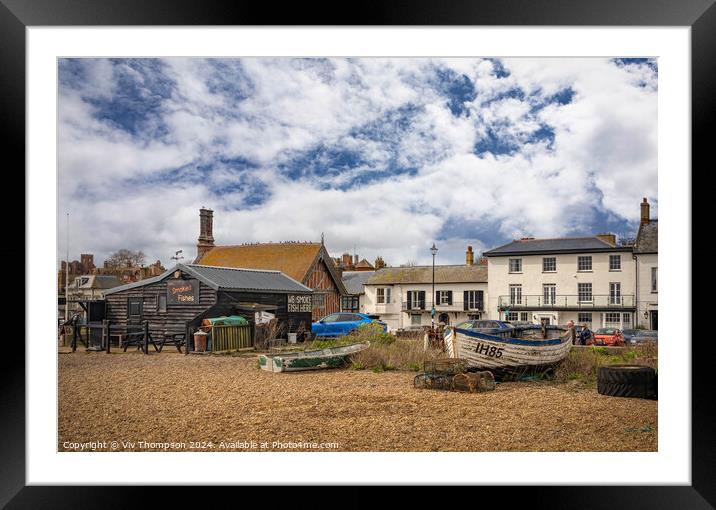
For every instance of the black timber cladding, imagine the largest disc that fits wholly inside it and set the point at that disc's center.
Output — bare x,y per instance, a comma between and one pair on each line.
557,245
220,292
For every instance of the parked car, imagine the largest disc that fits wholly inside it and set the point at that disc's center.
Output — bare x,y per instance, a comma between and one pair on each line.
338,324
629,334
609,336
644,335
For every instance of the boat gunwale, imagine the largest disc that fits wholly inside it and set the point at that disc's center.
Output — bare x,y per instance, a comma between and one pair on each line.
510,340
319,353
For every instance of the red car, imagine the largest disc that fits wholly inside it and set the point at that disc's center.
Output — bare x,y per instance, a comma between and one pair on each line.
609,336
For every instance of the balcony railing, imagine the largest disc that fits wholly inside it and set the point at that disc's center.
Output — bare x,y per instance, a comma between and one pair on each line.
456,306
567,301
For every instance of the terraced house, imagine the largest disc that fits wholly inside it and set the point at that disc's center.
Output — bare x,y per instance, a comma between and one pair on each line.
588,280
403,296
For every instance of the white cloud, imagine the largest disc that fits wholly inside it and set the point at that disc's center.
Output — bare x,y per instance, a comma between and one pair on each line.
266,111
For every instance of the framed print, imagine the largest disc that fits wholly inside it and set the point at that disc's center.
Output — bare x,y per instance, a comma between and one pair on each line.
524,148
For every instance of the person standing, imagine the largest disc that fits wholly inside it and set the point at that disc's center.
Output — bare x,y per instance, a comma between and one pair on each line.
572,331
585,335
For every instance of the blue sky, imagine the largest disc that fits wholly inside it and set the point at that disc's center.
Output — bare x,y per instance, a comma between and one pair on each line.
384,156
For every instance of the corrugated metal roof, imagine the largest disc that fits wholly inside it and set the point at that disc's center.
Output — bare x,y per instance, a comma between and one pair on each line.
424,274
230,278
560,244
647,239
226,278
354,280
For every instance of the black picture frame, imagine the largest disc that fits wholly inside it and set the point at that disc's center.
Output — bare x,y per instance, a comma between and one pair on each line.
16,15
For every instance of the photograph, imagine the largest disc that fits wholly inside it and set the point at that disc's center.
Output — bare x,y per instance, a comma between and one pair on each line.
357,254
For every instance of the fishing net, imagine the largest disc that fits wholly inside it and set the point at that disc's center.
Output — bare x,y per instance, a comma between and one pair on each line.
433,381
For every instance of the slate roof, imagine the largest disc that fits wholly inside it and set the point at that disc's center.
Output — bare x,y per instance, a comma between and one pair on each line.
354,280
555,245
647,239
226,278
97,281
424,274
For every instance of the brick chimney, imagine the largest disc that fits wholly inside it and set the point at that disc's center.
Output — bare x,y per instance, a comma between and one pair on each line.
347,261
469,256
644,211
608,238
206,238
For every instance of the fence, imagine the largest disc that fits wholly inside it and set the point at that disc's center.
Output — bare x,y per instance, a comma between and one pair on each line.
230,338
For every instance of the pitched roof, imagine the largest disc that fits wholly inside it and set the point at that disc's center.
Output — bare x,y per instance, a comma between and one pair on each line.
647,239
424,274
354,280
555,245
96,281
103,281
226,278
364,264
292,259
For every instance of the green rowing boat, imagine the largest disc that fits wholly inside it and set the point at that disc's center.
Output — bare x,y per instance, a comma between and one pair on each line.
334,357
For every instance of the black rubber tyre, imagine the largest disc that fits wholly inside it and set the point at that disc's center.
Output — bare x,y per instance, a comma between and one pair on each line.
633,381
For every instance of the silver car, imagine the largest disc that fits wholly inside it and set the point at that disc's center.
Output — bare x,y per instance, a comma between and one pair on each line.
644,336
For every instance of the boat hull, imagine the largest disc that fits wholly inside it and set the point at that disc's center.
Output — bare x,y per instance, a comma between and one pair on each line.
492,352
336,357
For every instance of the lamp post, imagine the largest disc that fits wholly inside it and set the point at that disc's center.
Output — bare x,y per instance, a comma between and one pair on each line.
433,250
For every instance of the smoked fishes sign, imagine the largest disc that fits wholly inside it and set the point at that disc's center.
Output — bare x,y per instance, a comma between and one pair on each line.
182,292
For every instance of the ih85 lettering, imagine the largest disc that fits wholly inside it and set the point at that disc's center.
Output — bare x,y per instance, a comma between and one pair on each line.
488,350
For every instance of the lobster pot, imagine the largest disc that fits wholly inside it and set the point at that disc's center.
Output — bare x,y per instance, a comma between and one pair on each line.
474,382
449,366
433,381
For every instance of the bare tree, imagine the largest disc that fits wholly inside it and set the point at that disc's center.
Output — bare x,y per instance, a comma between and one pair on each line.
125,258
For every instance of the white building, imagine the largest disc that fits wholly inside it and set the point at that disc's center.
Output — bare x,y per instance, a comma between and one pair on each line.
354,281
587,279
646,255
403,296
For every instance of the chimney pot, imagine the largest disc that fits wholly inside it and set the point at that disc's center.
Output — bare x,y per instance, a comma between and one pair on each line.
206,238
644,211
469,256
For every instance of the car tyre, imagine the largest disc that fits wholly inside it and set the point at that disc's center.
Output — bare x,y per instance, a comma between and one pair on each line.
634,381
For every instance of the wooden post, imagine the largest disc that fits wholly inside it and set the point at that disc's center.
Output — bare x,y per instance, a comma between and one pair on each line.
75,327
187,335
146,337
108,329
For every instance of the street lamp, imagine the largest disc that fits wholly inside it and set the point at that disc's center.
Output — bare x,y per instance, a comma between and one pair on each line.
434,251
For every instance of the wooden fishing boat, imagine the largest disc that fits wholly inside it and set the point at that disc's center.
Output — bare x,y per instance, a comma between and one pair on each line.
334,357
499,346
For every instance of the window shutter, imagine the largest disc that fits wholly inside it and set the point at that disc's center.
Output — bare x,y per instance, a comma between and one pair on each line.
464,300
450,298
421,298
480,303
410,300
437,297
